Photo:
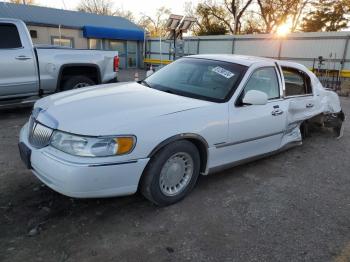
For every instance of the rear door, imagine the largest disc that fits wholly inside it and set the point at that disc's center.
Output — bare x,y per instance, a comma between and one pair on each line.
299,94
18,73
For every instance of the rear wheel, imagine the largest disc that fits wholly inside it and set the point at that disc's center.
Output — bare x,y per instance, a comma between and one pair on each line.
75,82
171,174
305,129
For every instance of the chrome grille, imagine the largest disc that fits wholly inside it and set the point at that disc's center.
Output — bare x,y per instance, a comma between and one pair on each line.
39,135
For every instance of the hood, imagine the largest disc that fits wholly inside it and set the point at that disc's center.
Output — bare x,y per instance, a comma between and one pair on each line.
100,110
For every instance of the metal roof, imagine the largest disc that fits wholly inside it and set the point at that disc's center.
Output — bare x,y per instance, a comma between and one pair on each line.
37,15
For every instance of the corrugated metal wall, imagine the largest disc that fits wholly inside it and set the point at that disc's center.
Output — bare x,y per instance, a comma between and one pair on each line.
299,47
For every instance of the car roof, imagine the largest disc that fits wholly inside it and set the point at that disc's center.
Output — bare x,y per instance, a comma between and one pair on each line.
247,60
237,59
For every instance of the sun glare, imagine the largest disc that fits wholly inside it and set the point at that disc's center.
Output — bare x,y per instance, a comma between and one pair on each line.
283,30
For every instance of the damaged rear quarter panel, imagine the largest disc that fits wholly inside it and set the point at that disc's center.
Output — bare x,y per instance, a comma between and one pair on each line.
301,108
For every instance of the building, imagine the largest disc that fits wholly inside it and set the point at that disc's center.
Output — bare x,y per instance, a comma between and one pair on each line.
49,26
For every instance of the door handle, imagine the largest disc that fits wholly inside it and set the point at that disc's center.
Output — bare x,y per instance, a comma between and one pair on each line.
23,58
310,105
277,112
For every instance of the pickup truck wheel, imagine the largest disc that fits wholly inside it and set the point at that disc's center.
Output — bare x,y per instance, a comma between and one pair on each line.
171,174
76,82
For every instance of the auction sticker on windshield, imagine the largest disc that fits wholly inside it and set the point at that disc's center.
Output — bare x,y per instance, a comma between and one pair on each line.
223,72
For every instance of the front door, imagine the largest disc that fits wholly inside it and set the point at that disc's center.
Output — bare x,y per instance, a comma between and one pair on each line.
258,129
18,74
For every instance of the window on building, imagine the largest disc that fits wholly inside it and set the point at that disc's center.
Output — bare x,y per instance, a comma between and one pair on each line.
95,44
264,80
117,46
296,82
62,41
9,36
33,33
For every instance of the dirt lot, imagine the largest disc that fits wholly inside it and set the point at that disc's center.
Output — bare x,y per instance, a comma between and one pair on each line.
294,206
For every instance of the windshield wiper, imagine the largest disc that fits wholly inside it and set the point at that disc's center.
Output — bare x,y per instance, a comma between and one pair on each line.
144,82
168,91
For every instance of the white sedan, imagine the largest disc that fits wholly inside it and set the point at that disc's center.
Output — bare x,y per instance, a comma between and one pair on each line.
196,116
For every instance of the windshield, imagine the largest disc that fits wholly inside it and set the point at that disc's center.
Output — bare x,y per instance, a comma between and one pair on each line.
198,78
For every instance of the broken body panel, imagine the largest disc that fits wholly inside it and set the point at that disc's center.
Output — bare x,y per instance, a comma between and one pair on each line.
322,106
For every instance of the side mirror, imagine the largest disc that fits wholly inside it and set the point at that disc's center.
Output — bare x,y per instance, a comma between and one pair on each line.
255,97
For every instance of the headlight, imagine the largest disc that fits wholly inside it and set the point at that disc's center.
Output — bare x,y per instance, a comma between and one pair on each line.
92,146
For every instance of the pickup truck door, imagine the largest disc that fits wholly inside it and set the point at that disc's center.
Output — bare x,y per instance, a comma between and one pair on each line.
258,129
18,72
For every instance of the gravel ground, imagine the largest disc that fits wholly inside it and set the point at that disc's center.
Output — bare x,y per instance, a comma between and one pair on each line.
294,206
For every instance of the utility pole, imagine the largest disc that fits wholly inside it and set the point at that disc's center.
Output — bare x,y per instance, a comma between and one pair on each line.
24,2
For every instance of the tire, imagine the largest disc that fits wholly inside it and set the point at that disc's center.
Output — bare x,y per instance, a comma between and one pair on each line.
171,159
305,130
75,82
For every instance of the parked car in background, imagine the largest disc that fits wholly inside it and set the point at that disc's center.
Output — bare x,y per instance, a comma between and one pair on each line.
198,115
27,71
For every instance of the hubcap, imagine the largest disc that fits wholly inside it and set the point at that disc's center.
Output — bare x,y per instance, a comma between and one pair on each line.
176,174
80,85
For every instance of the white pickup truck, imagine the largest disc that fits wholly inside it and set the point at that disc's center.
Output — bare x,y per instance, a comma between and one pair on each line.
27,71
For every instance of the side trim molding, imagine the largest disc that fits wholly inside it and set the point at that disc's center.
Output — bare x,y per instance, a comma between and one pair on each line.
247,140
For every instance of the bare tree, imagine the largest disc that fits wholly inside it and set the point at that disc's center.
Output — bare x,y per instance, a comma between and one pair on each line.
104,7
155,25
24,2
124,13
100,7
277,12
299,12
251,24
206,24
230,12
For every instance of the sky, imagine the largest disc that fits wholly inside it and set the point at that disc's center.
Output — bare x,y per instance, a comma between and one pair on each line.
136,6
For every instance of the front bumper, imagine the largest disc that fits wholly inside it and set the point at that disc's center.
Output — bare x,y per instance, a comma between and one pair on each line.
79,178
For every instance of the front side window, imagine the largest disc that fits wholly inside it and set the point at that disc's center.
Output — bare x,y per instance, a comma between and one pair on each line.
9,36
297,82
264,80
62,41
199,78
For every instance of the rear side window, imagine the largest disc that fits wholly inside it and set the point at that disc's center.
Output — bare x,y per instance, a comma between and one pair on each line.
9,36
297,82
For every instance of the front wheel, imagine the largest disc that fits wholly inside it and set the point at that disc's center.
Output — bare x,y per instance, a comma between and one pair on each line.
171,174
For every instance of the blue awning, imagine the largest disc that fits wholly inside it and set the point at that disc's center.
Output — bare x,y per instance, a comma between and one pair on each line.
113,33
